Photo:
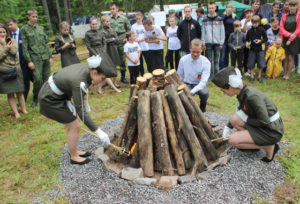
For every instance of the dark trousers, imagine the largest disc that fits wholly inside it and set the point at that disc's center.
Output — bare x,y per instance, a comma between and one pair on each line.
246,53
203,95
134,73
224,56
170,59
237,56
27,77
156,60
145,55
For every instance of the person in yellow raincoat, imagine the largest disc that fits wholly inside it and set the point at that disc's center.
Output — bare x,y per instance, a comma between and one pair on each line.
276,55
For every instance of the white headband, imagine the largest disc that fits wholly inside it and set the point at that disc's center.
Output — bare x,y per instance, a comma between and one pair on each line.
236,81
94,61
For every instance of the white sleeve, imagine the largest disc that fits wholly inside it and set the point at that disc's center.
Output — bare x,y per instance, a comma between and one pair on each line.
160,31
168,32
139,48
125,48
204,77
180,70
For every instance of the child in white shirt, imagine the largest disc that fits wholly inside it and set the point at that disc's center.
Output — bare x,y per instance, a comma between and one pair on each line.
132,51
173,44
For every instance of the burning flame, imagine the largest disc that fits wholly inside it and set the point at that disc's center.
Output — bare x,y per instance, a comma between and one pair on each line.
132,148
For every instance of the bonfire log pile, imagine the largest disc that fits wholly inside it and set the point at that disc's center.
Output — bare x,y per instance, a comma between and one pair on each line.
164,128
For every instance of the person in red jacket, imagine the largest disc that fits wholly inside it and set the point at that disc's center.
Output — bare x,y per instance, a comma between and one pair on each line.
290,32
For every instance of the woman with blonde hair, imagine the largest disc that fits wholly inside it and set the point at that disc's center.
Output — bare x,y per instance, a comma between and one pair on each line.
11,77
66,46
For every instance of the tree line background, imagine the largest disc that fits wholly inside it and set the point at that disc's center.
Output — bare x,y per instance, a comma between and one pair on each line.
51,12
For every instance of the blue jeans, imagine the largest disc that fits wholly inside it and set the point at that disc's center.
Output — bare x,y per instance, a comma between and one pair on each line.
213,50
224,58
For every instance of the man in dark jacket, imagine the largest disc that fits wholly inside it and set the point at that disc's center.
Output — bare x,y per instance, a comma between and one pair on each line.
188,29
16,34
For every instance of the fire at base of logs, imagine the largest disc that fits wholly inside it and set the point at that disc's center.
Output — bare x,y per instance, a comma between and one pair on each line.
164,129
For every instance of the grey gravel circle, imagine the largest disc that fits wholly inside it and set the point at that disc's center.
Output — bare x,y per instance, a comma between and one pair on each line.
242,180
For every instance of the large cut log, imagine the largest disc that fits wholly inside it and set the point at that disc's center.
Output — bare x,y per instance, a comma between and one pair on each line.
207,145
133,90
173,78
172,136
187,129
158,79
144,133
130,122
206,126
148,76
141,82
160,135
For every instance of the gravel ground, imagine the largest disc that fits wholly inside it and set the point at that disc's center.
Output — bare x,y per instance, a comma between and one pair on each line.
244,178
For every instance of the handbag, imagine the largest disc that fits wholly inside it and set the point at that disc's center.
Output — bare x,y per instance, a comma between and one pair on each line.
9,74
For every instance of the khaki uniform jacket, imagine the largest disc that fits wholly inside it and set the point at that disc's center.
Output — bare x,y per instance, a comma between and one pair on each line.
35,43
111,39
9,58
68,55
259,109
95,42
68,81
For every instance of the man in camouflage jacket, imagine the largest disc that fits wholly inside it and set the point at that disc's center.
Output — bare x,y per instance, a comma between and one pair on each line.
36,52
121,25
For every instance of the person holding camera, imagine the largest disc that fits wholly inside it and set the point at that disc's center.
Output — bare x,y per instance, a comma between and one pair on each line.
11,78
66,46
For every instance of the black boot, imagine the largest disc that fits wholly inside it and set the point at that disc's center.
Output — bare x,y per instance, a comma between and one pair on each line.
34,102
123,79
203,107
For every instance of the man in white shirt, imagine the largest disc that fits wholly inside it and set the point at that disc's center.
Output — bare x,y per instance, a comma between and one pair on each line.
27,73
195,69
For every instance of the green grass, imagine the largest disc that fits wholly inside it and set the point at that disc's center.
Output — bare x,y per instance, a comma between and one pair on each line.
31,146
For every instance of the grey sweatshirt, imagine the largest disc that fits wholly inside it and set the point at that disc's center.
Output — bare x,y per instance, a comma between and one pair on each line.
213,31
237,39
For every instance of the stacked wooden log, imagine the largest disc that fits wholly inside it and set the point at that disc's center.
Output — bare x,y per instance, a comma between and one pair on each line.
164,128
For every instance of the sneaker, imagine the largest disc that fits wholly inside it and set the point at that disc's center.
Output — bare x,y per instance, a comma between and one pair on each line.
260,80
247,74
251,79
298,71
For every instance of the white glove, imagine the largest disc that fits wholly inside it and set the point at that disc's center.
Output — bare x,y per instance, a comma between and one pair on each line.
226,132
103,137
242,115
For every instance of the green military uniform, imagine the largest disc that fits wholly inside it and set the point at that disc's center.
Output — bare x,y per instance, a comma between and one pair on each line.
68,81
121,25
263,125
111,39
9,59
95,42
68,55
260,109
36,50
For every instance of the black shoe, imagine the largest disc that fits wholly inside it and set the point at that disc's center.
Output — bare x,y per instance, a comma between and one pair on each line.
248,150
251,79
123,80
260,80
86,154
34,104
276,148
80,163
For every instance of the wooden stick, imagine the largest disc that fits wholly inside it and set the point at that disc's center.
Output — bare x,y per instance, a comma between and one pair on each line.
119,149
217,139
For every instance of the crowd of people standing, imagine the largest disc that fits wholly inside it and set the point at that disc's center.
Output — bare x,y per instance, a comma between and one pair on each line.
247,41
